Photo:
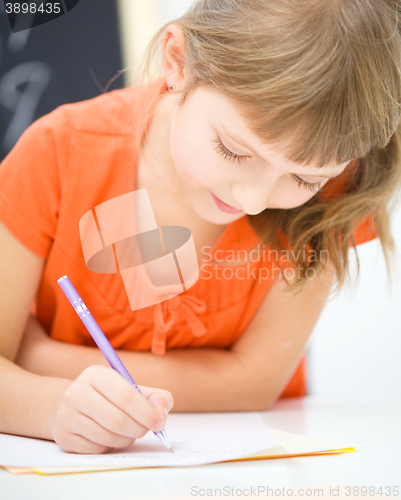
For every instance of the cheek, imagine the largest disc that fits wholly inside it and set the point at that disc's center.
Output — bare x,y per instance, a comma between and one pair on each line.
193,157
289,195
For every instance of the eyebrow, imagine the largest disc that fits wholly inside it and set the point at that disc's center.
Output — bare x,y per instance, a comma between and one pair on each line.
243,143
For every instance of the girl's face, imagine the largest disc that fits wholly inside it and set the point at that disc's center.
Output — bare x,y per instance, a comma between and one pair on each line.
216,156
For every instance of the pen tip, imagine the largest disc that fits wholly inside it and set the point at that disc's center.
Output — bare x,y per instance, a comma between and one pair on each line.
171,449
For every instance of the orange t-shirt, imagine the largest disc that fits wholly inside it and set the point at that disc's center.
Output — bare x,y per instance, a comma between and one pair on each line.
81,155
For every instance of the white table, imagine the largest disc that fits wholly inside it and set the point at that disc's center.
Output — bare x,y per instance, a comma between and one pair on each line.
373,427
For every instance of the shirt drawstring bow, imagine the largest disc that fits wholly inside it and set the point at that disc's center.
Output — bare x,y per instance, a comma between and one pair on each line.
180,306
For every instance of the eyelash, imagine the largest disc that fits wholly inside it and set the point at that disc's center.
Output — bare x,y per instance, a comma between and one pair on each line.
226,153
312,186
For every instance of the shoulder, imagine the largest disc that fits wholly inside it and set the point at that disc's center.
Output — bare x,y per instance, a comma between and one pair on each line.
51,133
113,113
104,114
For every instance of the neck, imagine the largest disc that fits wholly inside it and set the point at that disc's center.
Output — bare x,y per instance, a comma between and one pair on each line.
155,158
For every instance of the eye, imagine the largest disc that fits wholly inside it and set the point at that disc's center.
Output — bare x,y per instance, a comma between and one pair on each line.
312,186
226,153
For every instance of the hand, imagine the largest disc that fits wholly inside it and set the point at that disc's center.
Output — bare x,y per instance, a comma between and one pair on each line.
100,411
33,347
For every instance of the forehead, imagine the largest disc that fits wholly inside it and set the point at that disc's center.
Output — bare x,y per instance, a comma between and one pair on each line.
213,102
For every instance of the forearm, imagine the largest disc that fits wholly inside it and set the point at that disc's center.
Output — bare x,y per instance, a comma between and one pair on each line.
28,401
200,379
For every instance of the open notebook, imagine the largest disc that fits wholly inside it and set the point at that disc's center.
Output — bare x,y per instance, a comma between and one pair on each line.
196,438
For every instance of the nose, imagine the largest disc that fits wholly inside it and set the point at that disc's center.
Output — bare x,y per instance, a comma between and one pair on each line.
253,198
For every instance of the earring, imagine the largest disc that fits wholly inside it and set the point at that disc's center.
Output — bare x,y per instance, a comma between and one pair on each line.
172,87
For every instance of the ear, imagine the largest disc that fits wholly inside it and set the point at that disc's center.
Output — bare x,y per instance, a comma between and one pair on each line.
174,51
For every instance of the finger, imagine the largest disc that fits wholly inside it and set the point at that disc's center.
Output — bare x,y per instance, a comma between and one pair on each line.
98,408
91,430
74,443
122,394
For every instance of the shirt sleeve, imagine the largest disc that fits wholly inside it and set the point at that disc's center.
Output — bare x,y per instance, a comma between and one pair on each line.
30,183
364,231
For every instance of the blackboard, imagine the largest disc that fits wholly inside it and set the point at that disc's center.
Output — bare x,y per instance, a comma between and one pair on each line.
69,59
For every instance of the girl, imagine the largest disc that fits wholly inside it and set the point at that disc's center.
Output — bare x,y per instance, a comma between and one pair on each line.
272,126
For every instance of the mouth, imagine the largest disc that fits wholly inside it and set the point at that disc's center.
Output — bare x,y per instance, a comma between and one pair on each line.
224,207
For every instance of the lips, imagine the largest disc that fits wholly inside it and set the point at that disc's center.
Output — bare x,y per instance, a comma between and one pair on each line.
224,207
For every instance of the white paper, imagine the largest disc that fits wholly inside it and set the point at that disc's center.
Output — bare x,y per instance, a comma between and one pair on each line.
196,438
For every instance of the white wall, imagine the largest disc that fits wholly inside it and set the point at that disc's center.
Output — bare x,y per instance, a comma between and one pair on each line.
356,345
139,21
172,9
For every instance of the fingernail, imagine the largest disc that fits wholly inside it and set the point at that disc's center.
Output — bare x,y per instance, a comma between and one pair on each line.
160,425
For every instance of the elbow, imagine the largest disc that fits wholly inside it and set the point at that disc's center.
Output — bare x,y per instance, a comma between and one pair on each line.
254,390
257,400
263,405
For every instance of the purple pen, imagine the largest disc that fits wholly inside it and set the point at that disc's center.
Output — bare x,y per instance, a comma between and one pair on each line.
101,340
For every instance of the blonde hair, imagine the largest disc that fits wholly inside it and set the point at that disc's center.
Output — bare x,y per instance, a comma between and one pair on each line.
327,72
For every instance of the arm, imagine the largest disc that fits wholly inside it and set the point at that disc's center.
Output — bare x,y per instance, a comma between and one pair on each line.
96,412
249,376
32,397
209,368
